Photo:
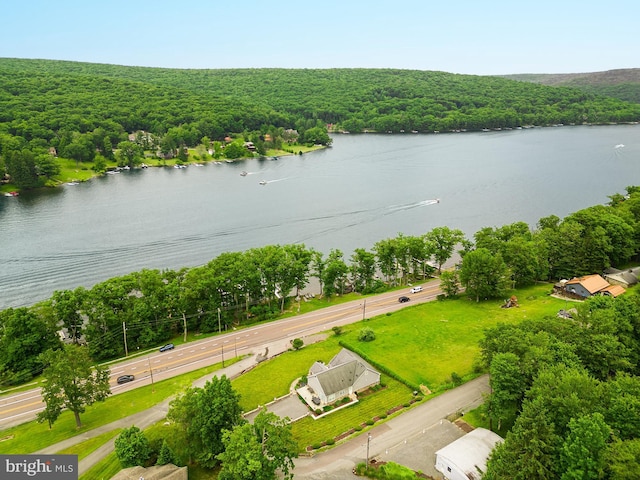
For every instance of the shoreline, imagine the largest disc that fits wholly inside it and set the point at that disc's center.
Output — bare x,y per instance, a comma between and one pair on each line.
89,174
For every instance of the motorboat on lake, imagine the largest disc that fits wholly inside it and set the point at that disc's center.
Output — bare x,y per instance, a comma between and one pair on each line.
263,182
243,173
11,194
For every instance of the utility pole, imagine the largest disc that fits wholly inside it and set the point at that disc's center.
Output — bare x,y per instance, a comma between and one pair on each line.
184,320
150,373
364,308
219,329
235,345
124,332
223,355
368,442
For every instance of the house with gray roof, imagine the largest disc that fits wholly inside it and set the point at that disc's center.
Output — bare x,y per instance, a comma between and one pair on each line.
345,375
624,278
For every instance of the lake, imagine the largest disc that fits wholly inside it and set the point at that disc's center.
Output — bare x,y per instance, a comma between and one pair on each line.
363,189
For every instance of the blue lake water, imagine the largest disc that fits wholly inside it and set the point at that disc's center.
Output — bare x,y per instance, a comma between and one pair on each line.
363,189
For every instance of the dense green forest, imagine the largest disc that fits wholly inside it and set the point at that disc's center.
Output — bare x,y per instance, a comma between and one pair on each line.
623,83
86,111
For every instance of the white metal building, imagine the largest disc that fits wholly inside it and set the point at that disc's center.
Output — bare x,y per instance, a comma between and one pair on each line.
466,458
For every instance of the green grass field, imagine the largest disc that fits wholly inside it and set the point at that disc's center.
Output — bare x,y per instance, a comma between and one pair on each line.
424,344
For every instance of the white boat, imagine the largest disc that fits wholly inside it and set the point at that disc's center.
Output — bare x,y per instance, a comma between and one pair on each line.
263,182
243,173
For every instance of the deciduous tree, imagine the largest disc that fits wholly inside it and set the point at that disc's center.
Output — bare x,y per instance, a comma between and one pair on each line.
203,414
257,451
132,447
71,383
484,275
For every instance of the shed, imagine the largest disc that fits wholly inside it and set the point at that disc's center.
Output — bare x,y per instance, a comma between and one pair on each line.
466,458
613,290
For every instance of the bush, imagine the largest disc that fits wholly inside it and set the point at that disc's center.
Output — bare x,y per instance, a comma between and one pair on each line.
366,335
331,441
456,379
297,343
337,331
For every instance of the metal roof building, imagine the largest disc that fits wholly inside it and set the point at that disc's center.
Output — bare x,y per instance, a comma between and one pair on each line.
466,458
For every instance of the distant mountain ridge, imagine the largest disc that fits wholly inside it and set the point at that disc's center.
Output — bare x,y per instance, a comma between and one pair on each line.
622,83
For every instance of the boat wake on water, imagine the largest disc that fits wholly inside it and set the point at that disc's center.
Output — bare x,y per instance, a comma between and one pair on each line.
423,203
371,215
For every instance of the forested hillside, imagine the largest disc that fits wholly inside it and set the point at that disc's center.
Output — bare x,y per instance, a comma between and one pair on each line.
225,101
85,112
622,83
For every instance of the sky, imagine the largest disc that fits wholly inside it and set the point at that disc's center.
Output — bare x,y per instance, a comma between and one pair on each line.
465,36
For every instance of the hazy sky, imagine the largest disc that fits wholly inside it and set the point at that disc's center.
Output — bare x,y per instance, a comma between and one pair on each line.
464,36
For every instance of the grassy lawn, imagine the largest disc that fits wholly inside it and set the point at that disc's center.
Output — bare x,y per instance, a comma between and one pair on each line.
104,469
281,371
426,343
87,447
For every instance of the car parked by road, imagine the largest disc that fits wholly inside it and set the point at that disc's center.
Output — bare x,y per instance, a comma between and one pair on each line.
125,379
168,346
403,299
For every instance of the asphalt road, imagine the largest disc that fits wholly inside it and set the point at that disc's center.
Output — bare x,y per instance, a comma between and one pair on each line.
154,366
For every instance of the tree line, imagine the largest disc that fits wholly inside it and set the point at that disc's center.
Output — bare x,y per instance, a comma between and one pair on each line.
85,111
240,288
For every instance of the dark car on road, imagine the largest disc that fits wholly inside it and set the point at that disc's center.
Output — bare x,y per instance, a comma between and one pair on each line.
168,346
403,299
125,379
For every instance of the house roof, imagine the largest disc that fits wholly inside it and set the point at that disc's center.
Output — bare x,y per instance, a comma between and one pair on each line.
613,290
340,377
591,283
342,372
470,453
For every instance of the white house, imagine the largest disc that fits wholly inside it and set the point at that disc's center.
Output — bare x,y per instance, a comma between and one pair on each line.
466,458
346,373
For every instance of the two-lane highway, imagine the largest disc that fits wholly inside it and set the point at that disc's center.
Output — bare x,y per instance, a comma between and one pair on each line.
23,406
